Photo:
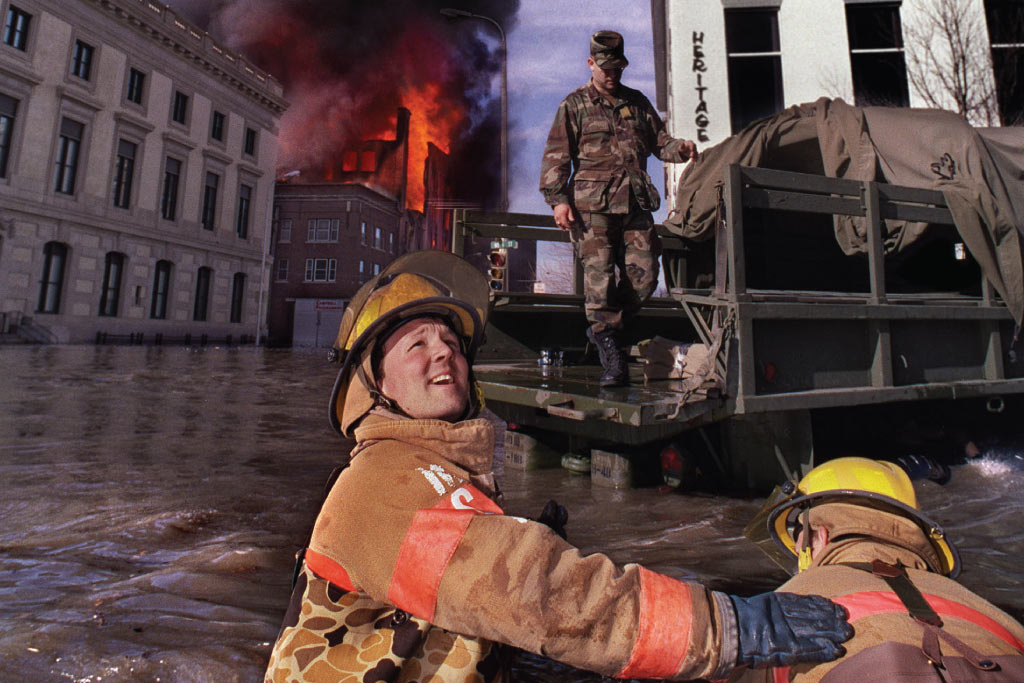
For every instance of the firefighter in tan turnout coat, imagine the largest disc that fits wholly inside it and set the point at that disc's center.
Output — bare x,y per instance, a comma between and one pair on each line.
853,527
414,573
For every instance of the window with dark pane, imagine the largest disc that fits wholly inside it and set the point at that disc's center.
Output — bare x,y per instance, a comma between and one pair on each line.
69,145
755,65
55,257
1006,33
169,194
16,25
136,82
161,290
110,292
201,305
179,109
237,297
217,126
81,60
8,110
877,62
123,173
250,142
242,212
209,215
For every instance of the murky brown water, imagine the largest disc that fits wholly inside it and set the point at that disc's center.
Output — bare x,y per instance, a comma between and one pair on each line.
152,499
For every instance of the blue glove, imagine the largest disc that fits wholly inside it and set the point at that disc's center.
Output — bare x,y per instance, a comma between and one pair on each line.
782,629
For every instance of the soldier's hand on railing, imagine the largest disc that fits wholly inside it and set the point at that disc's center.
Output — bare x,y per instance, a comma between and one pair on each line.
565,217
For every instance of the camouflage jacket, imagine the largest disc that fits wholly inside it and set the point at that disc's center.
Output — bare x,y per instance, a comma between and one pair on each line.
414,571
597,151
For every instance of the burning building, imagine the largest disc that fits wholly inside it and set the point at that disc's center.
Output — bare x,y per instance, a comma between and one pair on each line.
335,226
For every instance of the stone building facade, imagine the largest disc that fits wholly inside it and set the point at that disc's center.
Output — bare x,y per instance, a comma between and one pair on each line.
137,165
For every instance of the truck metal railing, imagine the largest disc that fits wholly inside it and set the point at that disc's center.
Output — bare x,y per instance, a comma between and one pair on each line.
801,349
526,226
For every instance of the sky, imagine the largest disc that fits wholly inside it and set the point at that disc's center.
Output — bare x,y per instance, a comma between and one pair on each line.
547,59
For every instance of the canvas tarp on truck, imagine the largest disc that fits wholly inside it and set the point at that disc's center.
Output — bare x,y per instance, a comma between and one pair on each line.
979,171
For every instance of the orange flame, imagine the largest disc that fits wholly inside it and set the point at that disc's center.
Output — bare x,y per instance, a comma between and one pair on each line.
435,118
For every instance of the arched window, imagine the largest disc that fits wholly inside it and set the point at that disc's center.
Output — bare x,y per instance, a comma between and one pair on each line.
203,279
161,290
55,255
110,294
237,294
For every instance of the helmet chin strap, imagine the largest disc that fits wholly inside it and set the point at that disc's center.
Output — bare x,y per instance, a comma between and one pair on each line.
804,556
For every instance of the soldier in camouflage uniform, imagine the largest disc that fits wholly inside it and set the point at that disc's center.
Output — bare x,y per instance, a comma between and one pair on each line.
594,176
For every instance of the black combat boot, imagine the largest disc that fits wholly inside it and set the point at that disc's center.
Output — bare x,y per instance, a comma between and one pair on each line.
613,360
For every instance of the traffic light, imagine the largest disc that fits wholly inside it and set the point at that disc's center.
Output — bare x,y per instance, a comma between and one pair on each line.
497,269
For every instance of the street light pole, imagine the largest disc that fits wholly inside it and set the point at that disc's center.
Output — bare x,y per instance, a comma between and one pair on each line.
453,13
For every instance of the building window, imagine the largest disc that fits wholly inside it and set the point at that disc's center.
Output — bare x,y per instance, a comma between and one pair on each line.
376,268
242,215
249,146
1006,32
110,294
876,55
321,269
200,307
322,229
755,65
282,270
391,243
362,234
123,173
286,230
69,145
8,108
16,28
169,196
161,290
378,241
136,81
55,256
81,61
237,296
217,126
210,200
362,272
179,110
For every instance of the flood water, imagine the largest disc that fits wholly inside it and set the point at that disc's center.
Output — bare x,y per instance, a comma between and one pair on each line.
152,500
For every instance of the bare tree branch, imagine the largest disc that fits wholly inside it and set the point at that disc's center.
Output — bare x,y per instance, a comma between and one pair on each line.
949,64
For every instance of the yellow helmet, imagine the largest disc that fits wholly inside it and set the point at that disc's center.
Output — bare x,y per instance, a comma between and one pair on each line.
421,283
859,481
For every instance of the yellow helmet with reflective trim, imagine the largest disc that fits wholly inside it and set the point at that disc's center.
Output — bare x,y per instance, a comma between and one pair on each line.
423,283
859,481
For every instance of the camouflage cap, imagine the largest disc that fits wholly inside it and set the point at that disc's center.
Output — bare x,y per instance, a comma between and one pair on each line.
606,50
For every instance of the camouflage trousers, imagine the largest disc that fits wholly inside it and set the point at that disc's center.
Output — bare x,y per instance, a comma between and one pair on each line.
619,254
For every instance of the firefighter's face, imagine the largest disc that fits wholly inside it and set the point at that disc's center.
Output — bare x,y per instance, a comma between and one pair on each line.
606,80
424,371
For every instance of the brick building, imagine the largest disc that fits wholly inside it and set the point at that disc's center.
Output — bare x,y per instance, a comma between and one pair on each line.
136,173
329,239
334,228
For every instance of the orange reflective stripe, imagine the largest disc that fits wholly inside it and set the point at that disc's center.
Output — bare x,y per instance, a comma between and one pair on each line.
869,603
429,544
326,568
666,614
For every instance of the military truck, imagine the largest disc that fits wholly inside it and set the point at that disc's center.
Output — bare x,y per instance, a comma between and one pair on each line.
813,352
